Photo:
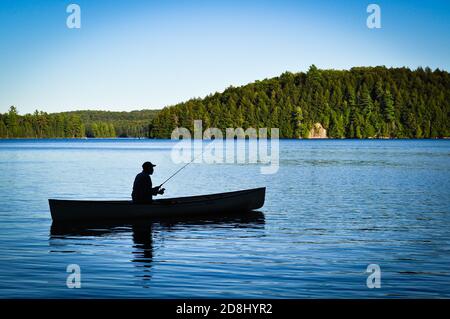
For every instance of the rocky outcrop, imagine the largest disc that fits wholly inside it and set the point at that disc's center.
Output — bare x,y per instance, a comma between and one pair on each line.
317,131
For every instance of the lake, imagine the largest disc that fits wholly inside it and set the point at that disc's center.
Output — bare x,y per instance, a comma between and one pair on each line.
333,208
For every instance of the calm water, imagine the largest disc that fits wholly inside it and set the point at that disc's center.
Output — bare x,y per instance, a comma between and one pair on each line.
333,208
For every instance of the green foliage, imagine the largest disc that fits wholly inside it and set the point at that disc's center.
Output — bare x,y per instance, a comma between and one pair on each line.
298,119
364,102
116,124
76,124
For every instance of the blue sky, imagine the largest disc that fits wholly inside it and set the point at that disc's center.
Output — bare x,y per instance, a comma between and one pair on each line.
149,54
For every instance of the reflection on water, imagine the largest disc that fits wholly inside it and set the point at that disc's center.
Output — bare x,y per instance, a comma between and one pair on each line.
63,235
143,249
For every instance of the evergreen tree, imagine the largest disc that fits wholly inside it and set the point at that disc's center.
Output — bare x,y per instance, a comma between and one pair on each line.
298,118
3,129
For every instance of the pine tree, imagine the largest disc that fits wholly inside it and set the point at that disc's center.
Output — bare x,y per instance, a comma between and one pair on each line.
388,112
12,122
3,129
298,119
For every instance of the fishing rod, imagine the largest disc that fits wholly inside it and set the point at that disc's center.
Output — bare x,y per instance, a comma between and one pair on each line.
179,170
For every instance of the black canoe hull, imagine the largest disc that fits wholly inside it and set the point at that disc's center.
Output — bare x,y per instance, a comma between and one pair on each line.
213,204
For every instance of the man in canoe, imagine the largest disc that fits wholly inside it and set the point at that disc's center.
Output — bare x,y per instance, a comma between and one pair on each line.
142,186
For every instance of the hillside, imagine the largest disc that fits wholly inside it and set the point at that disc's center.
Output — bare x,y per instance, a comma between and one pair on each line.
364,102
121,124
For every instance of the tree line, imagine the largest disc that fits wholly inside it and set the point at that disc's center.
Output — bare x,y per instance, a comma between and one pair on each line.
116,124
76,124
40,125
363,102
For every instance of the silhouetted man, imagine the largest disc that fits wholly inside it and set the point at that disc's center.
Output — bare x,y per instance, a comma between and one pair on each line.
142,187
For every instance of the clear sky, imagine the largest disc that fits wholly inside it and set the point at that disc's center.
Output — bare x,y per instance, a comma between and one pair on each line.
132,54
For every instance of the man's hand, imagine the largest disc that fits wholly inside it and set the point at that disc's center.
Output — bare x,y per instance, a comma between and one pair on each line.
161,191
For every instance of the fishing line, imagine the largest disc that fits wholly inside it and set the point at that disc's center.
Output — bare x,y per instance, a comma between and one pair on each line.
180,169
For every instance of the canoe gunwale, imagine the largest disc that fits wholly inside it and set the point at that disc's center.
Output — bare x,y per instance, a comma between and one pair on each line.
166,201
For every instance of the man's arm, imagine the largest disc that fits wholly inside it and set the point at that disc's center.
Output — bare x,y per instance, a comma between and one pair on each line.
155,190
158,190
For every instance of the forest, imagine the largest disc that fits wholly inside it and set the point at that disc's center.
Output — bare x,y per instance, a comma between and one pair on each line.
76,124
363,102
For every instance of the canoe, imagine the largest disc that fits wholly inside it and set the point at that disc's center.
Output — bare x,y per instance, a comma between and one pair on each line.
212,204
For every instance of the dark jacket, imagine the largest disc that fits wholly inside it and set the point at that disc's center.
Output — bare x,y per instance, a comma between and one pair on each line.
142,188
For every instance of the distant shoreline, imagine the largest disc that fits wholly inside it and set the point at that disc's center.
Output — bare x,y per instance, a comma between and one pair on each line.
148,138
359,103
